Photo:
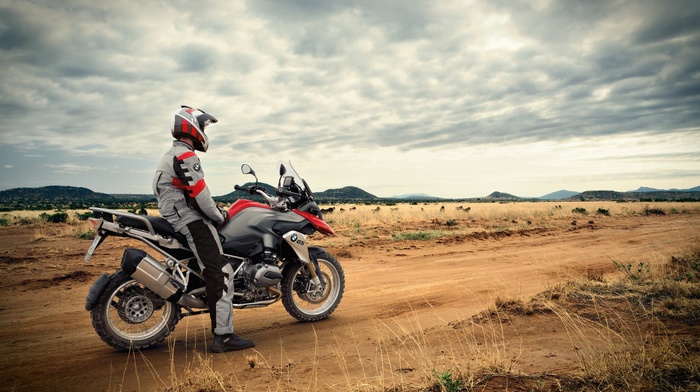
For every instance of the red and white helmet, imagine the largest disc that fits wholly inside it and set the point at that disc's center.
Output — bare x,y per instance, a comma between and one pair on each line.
191,122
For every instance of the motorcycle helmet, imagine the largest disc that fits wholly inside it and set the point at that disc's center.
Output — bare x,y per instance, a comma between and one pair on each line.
191,122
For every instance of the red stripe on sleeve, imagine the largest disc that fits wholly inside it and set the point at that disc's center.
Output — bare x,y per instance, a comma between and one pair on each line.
188,154
197,188
177,183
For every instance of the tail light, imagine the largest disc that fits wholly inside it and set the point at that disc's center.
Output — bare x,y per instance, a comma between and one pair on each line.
95,222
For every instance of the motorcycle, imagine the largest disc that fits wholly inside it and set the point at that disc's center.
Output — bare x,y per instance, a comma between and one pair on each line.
138,306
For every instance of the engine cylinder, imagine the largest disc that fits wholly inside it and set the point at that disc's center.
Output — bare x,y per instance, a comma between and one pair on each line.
264,275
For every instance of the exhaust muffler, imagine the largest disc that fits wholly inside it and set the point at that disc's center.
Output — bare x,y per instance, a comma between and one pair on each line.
152,274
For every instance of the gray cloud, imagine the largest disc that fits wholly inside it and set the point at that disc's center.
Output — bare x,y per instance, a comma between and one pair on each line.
297,76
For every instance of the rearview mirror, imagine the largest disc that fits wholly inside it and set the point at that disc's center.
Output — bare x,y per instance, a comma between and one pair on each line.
245,169
282,169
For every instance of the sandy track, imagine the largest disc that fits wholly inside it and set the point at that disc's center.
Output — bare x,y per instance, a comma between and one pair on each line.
400,301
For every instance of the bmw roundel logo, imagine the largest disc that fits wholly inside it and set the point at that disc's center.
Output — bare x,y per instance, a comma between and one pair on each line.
294,238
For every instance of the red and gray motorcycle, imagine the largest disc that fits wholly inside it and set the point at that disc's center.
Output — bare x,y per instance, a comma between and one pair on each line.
267,245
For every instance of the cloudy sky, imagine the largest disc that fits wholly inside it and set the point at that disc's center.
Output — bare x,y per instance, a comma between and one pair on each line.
454,98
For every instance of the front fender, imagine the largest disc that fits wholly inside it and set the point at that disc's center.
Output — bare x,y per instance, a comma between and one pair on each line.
95,290
315,250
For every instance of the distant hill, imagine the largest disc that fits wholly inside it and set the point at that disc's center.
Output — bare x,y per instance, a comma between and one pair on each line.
647,189
600,195
348,193
416,196
501,196
51,197
52,192
70,197
637,196
562,194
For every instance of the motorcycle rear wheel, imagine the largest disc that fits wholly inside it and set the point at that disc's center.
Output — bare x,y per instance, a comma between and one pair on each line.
303,300
127,315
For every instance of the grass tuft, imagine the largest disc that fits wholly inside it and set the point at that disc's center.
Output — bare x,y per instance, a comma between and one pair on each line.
418,235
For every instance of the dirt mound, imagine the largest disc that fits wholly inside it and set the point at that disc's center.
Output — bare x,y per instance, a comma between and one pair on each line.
71,277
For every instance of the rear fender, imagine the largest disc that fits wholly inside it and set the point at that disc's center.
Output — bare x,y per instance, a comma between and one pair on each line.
95,290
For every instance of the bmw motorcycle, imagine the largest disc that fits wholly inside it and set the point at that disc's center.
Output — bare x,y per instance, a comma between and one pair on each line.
138,306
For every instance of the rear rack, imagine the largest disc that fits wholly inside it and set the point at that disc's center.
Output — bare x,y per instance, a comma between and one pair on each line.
107,214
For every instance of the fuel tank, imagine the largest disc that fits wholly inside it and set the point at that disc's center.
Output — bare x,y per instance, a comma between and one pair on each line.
256,226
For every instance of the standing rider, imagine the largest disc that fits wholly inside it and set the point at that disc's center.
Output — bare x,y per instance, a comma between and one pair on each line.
186,203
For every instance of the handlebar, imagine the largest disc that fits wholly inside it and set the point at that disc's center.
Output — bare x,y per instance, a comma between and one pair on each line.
253,189
282,192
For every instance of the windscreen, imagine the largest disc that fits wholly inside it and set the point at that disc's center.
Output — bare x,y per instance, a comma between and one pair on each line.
291,172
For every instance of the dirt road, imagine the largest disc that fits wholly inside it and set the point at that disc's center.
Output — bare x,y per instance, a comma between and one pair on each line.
394,323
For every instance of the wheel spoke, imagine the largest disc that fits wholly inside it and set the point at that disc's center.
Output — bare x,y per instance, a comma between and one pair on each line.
316,301
135,316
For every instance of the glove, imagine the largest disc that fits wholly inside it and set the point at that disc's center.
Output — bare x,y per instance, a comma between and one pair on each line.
223,212
278,203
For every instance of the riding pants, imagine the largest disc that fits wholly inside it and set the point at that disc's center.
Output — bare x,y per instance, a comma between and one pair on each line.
218,273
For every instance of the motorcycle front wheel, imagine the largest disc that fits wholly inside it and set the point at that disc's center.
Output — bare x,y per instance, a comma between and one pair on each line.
127,315
307,302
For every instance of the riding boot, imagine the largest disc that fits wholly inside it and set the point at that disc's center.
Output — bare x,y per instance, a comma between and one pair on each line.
230,342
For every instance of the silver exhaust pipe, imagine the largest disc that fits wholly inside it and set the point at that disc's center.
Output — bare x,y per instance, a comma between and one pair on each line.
190,301
152,274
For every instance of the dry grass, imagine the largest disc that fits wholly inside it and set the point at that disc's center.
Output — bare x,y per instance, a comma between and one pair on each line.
628,341
374,214
623,333
198,375
424,220
625,340
479,220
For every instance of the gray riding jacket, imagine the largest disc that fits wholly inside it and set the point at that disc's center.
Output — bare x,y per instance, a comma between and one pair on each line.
183,196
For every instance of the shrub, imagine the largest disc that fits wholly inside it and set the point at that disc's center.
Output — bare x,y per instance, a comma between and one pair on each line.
603,211
686,268
86,235
4,222
59,217
653,211
84,216
445,381
27,221
634,273
579,210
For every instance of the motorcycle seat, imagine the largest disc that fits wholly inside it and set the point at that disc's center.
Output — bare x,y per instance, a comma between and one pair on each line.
160,226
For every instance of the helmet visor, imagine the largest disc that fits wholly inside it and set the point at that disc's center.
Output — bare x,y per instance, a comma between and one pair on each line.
205,119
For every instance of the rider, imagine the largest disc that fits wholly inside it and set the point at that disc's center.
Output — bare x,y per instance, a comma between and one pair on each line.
186,203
